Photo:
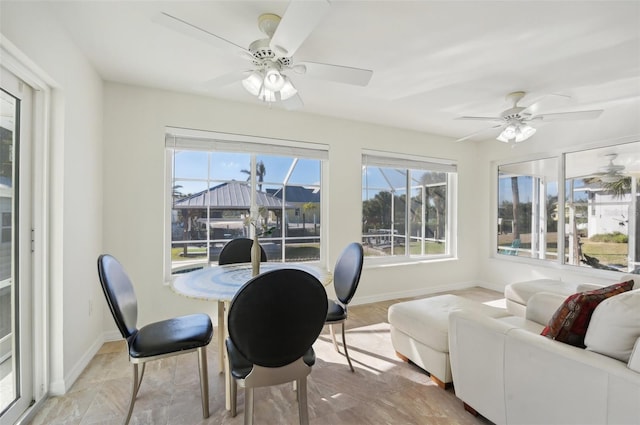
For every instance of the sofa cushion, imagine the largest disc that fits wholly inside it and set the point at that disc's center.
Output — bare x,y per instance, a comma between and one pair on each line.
427,320
615,326
542,306
569,323
634,359
520,292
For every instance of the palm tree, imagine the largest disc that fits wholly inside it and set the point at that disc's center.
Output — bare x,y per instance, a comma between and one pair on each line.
515,193
616,188
261,171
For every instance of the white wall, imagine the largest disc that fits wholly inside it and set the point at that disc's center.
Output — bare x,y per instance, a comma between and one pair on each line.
134,124
75,181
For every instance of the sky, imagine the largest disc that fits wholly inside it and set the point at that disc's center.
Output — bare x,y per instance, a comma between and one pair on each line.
225,166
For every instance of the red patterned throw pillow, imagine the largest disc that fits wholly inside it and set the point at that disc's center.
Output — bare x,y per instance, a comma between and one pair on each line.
569,323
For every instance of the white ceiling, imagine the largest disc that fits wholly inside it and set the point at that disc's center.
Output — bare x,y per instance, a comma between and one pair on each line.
432,60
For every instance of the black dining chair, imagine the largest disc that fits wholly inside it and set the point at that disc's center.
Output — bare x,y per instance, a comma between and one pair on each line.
157,340
239,251
346,276
273,321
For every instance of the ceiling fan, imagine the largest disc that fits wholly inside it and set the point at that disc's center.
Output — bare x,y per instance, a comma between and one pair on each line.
611,172
271,57
514,122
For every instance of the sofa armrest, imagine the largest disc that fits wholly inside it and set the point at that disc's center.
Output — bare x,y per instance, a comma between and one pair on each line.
542,306
574,385
476,352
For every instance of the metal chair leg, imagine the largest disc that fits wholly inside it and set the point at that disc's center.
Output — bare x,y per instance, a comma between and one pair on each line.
233,397
303,410
346,351
135,386
248,406
333,337
204,380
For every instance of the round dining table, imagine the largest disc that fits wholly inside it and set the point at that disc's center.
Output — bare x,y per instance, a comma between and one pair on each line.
220,283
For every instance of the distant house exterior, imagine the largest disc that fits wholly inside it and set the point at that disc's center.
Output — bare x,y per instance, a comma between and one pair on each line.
223,209
305,206
608,214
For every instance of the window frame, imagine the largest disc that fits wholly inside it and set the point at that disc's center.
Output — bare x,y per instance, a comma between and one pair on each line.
410,163
561,157
254,146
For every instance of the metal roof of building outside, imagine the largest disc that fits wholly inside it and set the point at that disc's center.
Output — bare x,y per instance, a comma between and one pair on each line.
233,195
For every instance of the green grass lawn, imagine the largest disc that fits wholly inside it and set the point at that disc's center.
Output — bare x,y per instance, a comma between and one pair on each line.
609,253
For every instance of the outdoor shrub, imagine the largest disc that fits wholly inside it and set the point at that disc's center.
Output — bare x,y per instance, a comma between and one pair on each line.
615,237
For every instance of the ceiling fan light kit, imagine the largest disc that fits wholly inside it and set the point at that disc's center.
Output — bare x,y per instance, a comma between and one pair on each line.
269,85
519,132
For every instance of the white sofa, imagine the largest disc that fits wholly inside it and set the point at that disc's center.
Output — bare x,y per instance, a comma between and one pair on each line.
517,294
505,370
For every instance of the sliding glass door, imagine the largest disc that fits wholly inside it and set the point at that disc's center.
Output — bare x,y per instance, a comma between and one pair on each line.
16,332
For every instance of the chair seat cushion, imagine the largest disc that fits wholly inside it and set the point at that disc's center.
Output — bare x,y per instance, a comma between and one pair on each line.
241,367
171,335
335,313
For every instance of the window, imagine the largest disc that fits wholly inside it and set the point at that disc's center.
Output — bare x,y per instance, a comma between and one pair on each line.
602,216
214,179
406,206
594,219
528,209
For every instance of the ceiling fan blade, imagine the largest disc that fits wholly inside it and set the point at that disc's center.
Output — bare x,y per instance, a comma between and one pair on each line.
293,103
225,79
194,31
533,106
298,21
475,133
578,115
338,73
495,119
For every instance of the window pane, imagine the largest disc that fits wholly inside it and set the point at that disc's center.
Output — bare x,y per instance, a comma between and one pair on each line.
527,199
274,169
227,166
190,164
305,172
601,212
188,226
212,201
386,208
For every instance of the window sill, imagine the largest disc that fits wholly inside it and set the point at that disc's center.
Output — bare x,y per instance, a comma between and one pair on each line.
382,262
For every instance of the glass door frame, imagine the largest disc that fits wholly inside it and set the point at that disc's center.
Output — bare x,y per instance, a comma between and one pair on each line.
42,129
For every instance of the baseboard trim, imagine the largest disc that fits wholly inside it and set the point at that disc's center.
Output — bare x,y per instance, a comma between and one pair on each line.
60,387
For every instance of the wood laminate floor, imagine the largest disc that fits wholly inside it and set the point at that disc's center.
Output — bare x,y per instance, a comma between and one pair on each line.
383,389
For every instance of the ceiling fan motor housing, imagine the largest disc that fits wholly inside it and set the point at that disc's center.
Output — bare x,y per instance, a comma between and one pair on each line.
515,114
262,52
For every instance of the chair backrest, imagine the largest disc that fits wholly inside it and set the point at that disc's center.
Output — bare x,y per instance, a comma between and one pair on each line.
120,294
275,317
239,251
346,273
